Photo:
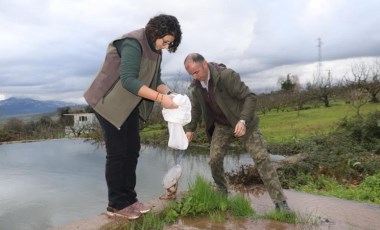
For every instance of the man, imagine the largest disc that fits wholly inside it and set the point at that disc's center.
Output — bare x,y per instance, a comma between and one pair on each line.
228,108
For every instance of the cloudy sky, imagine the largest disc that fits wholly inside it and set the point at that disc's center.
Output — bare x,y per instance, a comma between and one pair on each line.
51,49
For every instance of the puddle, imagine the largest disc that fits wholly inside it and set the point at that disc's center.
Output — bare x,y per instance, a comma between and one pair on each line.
231,224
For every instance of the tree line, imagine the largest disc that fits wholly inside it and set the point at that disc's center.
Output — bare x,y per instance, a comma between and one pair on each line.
359,87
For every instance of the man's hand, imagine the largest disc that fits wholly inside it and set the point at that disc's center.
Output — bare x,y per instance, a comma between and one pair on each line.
240,129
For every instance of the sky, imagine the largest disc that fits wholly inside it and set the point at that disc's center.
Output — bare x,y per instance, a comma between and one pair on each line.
52,49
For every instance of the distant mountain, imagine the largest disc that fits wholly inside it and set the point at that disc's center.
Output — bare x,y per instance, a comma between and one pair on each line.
21,106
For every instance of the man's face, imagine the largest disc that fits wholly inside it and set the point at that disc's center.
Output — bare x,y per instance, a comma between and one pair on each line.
199,71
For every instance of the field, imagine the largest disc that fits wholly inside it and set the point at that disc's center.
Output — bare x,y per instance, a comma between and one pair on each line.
280,127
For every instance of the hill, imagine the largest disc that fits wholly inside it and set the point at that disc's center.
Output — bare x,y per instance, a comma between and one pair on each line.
26,106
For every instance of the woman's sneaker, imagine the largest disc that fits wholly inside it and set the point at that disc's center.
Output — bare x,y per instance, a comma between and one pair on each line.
142,208
128,212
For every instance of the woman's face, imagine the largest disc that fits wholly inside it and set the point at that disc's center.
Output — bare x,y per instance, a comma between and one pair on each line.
163,43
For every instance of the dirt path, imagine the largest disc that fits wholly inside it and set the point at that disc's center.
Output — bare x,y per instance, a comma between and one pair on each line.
330,213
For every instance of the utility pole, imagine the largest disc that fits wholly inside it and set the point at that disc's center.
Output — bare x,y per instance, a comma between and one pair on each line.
319,57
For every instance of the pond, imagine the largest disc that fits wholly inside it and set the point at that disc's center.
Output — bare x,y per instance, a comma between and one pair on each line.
47,184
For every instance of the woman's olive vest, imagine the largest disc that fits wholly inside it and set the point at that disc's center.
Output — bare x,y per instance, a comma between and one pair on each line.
109,98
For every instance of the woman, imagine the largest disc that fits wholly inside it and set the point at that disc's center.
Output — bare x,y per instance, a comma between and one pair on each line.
124,90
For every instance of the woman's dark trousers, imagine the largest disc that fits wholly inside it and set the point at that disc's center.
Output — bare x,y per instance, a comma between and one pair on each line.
122,147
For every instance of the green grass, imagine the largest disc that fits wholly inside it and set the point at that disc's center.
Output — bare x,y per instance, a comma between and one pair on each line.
156,134
147,222
367,191
200,200
281,127
239,206
303,221
287,217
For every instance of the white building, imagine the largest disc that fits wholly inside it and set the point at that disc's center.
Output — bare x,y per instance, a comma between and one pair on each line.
80,123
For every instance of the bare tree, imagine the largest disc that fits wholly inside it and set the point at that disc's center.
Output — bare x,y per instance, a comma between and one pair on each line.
84,129
322,88
358,98
373,87
360,84
366,76
180,83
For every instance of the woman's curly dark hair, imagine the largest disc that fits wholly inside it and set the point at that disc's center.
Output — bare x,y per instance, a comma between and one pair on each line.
162,25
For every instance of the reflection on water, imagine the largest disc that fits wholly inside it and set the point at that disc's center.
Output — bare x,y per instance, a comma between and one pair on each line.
51,183
45,184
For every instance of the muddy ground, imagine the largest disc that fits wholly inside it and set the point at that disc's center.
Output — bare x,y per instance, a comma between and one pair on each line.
321,212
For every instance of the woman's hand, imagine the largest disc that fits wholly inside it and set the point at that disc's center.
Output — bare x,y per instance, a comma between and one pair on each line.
167,101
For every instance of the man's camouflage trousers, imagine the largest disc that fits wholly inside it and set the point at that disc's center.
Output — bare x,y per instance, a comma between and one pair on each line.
254,143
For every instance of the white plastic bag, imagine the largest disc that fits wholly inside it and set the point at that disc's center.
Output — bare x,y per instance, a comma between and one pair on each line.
177,136
172,176
176,119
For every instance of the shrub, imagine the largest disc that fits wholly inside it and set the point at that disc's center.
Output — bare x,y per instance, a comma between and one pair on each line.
362,128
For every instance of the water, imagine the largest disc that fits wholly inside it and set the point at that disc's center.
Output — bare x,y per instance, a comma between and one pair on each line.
51,183
45,184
